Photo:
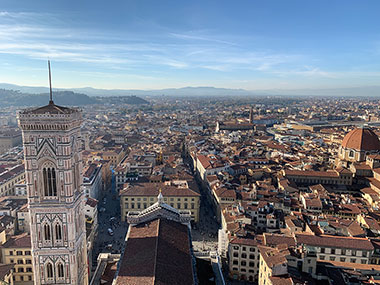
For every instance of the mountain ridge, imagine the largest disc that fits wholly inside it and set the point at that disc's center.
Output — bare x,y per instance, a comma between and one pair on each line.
369,91
65,98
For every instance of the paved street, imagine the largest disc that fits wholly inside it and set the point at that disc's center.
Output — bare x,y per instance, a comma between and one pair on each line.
119,229
205,233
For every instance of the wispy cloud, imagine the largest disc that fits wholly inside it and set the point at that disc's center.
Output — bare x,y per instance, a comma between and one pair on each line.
193,37
30,35
307,71
25,34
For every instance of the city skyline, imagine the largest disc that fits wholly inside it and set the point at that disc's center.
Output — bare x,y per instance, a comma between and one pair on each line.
145,45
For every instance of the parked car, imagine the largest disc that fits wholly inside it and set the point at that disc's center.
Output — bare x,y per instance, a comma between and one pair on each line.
110,231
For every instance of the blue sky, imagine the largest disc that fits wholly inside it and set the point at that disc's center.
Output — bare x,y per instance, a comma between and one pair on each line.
162,44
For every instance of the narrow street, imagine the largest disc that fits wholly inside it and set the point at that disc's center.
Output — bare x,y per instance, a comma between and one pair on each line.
205,233
109,219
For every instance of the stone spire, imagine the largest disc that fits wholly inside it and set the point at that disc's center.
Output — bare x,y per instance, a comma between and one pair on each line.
160,198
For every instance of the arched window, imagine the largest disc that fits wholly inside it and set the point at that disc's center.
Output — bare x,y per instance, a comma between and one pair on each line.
49,270
58,232
47,233
61,272
50,183
351,153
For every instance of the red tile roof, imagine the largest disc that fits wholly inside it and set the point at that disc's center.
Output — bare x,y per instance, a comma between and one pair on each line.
361,139
157,252
335,241
311,173
276,239
204,160
91,202
244,241
19,241
5,269
225,193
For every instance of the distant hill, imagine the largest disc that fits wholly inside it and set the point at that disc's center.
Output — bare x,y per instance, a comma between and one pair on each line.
366,91
185,91
130,100
65,98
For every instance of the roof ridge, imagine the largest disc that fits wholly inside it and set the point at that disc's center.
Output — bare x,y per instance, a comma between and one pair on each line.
361,137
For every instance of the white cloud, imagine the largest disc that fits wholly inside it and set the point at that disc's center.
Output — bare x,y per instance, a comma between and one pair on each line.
42,36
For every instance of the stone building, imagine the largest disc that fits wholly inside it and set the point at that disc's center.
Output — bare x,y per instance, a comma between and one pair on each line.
16,251
10,178
140,196
54,179
356,145
243,259
9,139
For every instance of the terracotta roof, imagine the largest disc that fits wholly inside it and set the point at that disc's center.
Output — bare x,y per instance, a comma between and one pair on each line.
310,173
361,139
281,280
19,241
372,223
90,170
273,256
204,160
91,202
313,202
369,191
109,273
349,208
5,269
244,241
276,239
225,193
374,182
157,252
349,265
334,241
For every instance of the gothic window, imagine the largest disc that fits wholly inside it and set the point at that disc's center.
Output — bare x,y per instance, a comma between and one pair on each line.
77,174
50,182
58,232
74,178
49,270
47,233
61,273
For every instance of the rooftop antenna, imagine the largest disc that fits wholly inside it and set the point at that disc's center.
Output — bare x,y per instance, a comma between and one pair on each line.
51,92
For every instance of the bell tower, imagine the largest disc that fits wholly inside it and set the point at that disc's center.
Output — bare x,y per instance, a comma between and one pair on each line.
53,176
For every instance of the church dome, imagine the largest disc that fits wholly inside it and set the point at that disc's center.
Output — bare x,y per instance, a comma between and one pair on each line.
361,139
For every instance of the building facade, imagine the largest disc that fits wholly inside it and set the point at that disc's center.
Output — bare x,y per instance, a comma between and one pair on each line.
10,178
244,259
140,196
9,139
337,248
92,181
54,180
16,251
